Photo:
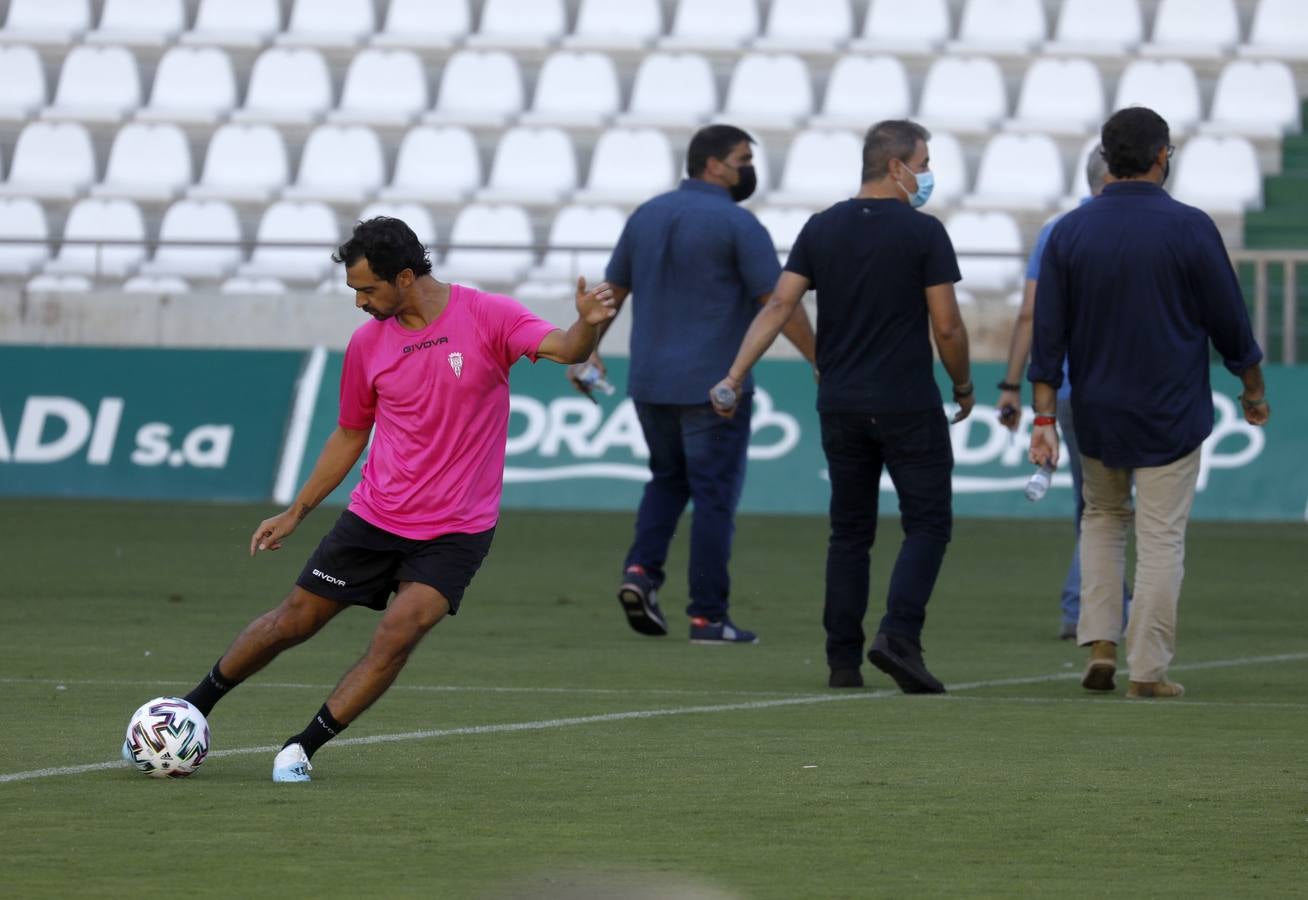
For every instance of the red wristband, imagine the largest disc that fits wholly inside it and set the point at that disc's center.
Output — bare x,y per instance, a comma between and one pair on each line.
1044,420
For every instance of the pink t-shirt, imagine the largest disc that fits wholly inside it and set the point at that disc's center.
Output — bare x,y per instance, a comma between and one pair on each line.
440,400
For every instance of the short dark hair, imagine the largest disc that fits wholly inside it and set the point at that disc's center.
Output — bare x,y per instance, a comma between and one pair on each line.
389,245
1131,139
887,140
712,142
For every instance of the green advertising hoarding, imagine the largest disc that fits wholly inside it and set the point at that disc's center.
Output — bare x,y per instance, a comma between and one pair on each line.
148,424
567,452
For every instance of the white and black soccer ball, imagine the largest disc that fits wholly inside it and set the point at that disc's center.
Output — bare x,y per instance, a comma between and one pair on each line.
167,738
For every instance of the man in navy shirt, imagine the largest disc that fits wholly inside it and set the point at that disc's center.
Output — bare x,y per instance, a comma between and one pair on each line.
1133,287
884,275
697,266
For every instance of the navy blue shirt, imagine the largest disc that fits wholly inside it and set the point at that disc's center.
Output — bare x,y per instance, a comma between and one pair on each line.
696,264
1133,285
871,262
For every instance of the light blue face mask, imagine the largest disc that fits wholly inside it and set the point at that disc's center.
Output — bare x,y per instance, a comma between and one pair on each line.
926,182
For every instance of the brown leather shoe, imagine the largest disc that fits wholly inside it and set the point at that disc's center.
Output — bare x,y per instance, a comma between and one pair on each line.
1101,668
1149,690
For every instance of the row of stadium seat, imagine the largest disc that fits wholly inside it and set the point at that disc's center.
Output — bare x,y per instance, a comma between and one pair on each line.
1110,27
488,243
582,89
346,164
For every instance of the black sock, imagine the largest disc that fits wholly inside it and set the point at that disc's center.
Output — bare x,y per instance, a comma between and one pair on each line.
212,688
321,729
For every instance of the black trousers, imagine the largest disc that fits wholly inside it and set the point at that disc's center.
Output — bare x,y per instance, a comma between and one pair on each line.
914,447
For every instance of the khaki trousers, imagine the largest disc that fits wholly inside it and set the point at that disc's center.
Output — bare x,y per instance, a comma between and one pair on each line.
1163,498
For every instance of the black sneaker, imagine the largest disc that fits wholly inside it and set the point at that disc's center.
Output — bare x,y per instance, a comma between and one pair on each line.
845,678
640,603
903,662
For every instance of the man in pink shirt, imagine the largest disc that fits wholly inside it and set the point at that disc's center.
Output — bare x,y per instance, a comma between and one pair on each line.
429,379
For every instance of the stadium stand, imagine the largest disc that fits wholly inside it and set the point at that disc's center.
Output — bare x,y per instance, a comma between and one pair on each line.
542,122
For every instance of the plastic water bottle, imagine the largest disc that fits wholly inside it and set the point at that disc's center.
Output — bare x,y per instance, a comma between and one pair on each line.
723,397
592,379
1038,485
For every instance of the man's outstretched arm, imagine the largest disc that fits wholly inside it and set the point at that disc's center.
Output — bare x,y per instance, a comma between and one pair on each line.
343,448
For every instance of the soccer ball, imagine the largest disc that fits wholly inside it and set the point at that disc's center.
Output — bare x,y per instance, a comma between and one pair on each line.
167,738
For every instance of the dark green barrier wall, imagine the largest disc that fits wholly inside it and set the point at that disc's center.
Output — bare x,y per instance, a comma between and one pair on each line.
149,424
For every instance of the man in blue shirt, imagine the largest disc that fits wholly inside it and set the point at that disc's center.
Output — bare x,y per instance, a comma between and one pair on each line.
1010,399
884,275
697,266
1133,287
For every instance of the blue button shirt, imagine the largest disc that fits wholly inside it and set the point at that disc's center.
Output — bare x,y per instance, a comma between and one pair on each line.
1033,274
1132,288
696,264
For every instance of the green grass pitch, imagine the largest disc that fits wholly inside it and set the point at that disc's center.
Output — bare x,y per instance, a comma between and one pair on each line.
536,747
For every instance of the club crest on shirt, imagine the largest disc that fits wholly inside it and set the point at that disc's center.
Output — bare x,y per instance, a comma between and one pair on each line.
456,363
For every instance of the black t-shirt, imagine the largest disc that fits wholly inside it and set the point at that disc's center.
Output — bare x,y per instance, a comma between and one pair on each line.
870,262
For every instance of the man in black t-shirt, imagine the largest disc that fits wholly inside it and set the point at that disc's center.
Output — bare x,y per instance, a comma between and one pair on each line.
884,275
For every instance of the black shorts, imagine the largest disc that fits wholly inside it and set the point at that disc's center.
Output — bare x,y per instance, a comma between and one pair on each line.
359,563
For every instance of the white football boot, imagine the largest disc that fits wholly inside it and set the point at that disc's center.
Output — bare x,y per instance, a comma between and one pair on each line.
291,764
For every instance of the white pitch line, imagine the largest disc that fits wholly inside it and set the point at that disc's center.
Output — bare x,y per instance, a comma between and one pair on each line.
545,724
1180,704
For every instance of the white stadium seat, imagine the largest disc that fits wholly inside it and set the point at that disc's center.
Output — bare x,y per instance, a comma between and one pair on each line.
192,85
807,25
384,88
96,84
235,23
629,165
478,88
950,168
769,90
963,94
415,215
712,25
1280,29
101,220
147,162
520,23
146,23
243,163
155,284
287,86
341,164
1168,87
216,231
58,284
890,27
822,167
1217,174
987,232
1001,26
311,224
850,104
575,89
1097,28
580,226
329,24
51,160
1060,96
783,224
22,219
603,24
531,166
22,83
435,165
44,22
1255,98
481,224
424,24
673,89
252,285
1019,172
1197,28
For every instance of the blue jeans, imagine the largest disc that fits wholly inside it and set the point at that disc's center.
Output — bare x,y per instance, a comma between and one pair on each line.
694,454
1071,599
915,448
